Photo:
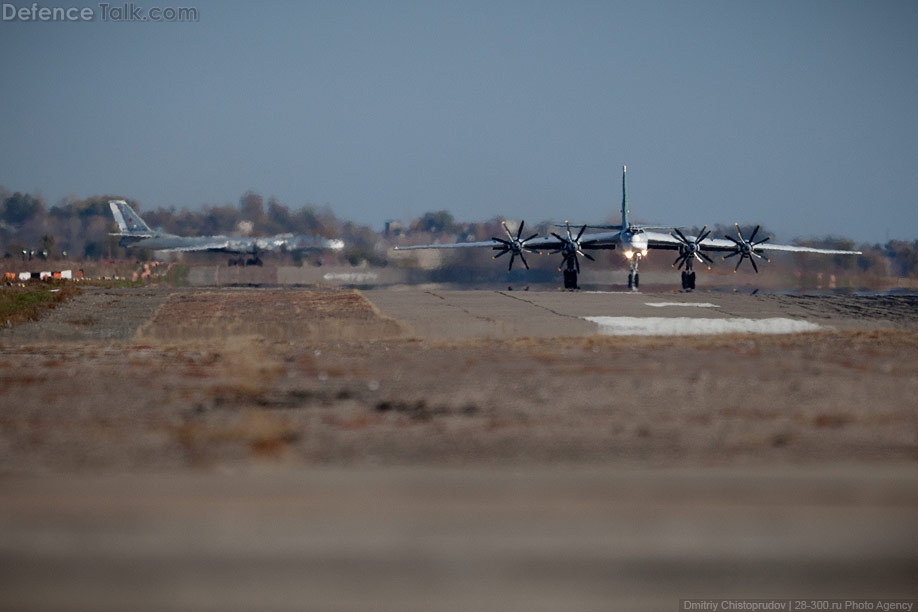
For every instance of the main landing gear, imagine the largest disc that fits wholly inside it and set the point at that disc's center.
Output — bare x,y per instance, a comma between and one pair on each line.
255,260
570,278
634,278
688,276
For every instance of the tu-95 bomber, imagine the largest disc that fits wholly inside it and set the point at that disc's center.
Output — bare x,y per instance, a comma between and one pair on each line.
634,241
135,233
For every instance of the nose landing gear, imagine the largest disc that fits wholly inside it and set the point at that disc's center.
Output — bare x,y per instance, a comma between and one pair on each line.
633,278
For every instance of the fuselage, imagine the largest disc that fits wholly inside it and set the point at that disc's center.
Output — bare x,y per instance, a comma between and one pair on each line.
232,244
633,242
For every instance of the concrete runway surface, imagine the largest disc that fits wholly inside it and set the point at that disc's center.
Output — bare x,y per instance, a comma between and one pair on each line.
501,314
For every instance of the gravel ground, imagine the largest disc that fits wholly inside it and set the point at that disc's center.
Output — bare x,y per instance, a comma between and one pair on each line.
96,314
173,379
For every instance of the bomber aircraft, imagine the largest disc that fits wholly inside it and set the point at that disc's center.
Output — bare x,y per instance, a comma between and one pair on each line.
634,241
135,233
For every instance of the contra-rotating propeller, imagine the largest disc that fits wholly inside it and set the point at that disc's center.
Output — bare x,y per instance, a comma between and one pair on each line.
691,248
746,248
570,247
514,246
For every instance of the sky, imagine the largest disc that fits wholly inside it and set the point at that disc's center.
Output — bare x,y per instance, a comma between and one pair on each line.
799,115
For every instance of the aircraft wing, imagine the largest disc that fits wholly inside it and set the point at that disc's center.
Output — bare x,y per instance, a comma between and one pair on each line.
533,244
451,245
289,242
182,244
719,244
542,243
658,240
225,244
600,240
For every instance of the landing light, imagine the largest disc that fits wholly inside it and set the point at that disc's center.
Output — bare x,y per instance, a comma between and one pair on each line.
644,253
629,254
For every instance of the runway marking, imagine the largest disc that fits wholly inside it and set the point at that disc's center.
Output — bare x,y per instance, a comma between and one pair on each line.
686,326
695,304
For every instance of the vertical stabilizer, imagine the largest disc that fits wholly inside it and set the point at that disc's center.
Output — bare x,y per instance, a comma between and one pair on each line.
624,199
129,222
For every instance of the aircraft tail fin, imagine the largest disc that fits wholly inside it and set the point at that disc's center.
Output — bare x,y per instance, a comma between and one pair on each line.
624,199
129,222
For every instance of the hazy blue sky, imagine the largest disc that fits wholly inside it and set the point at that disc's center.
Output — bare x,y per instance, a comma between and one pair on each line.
799,115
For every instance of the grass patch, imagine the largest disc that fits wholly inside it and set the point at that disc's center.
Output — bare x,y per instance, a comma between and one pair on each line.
22,304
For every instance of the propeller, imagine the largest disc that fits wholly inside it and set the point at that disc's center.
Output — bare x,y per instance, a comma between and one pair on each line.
570,247
691,248
746,248
513,245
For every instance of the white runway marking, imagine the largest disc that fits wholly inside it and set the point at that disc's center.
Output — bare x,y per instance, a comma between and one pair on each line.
695,304
686,326
351,277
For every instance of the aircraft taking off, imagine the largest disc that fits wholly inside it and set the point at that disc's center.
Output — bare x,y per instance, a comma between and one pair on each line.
634,241
135,233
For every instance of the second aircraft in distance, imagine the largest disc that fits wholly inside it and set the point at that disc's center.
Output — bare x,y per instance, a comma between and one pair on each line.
135,233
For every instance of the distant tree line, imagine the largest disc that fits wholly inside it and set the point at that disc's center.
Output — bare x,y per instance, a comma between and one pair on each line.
80,229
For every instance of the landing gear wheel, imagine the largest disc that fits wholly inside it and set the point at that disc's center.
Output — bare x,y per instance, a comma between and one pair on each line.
685,284
634,280
691,281
570,280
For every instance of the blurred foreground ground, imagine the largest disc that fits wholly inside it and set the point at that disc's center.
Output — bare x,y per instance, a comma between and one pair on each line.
287,449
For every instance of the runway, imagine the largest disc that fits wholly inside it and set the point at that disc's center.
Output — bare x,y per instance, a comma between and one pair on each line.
539,314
